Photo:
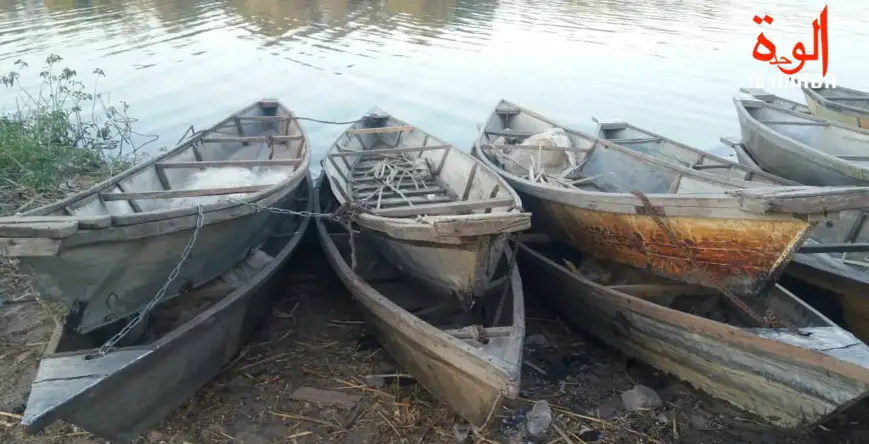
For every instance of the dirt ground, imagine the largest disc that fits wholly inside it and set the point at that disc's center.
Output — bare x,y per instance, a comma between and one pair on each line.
315,338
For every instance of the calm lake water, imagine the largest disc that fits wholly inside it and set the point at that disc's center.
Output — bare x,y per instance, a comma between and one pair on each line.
671,66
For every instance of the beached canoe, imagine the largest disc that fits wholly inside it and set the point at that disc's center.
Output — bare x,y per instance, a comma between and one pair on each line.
801,147
844,105
830,258
181,344
669,150
469,360
772,99
437,212
633,208
844,272
794,376
104,253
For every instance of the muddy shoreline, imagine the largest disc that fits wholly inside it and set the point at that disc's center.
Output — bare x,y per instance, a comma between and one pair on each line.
316,338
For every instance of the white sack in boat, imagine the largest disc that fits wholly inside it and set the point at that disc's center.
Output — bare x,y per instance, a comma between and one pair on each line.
226,178
527,163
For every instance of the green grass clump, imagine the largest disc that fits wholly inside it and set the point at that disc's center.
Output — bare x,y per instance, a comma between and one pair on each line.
59,133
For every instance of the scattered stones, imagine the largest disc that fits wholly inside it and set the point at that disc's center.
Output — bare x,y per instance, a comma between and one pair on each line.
375,381
663,418
641,397
609,409
462,432
698,421
536,340
538,420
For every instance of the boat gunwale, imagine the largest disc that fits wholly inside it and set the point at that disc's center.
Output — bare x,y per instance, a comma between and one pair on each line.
514,212
837,106
145,217
508,373
227,301
805,151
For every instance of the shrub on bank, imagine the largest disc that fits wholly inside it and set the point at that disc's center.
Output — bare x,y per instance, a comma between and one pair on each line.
61,132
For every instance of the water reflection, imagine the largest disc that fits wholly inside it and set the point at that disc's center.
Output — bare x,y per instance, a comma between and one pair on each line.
670,65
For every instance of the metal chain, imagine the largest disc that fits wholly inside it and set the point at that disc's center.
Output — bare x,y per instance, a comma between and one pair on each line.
105,348
345,212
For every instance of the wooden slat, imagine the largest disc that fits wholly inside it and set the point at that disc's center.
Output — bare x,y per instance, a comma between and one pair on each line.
470,183
854,158
100,221
228,163
835,248
172,194
52,230
635,140
795,123
224,139
849,99
534,147
507,111
445,208
404,149
396,202
240,128
388,192
710,166
509,133
381,130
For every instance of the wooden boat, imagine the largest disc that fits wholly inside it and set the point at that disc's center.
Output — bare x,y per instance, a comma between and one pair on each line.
781,102
669,150
837,259
801,147
437,212
830,257
795,376
187,341
682,223
105,252
470,360
844,105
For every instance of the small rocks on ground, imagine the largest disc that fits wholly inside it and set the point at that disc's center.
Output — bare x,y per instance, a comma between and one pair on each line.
538,420
536,340
641,397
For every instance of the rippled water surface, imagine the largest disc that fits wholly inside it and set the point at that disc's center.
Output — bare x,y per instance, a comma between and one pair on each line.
671,66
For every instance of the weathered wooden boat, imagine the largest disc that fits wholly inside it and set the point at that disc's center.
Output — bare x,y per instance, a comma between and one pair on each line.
438,213
772,99
669,150
844,105
105,252
794,376
834,258
682,223
801,147
469,359
172,352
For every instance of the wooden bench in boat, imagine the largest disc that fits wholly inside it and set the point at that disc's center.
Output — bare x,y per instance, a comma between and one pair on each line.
417,192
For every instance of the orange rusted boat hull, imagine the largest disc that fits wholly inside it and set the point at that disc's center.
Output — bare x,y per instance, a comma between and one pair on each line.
740,255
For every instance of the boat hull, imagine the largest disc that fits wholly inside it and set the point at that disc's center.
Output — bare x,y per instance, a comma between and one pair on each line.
740,255
836,114
791,386
464,270
138,386
102,281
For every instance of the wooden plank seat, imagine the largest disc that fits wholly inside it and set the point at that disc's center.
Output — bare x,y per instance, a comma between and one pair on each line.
263,139
229,163
631,140
173,194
